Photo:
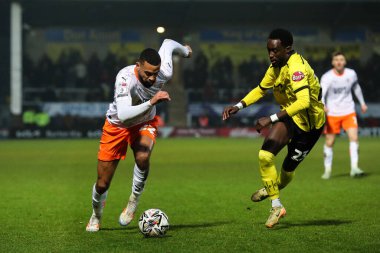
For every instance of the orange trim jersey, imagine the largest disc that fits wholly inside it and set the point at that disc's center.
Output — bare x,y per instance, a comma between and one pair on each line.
130,90
337,92
296,77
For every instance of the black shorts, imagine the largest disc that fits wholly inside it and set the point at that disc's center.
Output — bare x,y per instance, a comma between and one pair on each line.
300,144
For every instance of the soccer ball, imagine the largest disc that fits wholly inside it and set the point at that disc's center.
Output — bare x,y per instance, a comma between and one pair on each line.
154,223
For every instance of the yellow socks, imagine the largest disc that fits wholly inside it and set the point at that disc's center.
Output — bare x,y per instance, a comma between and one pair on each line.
269,173
284,178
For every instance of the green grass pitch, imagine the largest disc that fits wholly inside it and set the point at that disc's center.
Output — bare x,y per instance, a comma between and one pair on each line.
204,186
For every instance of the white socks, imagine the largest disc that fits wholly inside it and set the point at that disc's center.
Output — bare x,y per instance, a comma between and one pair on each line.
98,201
139,178
354,147
328,157
354,154
276,203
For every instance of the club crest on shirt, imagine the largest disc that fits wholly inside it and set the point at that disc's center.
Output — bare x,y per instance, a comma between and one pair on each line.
122,89
298,76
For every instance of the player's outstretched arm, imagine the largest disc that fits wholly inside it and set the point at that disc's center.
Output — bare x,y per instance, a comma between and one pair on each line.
169,46
125,111
166,53
302,102
252,97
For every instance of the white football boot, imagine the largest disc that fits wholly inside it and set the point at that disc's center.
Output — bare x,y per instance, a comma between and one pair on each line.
356,172
326,175
94,223
128,213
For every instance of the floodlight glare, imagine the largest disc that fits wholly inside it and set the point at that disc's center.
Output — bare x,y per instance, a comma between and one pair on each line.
160,29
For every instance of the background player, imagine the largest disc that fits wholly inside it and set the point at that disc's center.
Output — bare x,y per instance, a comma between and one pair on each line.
131,120
298,125
337,84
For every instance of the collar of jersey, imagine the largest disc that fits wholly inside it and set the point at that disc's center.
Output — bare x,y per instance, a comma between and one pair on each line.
136,74
336,73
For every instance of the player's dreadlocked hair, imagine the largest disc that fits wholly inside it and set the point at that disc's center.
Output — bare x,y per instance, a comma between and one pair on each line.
281,34
151,56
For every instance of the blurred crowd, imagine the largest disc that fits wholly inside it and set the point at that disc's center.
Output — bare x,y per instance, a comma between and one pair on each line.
71,77
219,83
74,79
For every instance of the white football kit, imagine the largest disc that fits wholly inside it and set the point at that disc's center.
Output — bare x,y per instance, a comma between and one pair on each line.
131,105
336,92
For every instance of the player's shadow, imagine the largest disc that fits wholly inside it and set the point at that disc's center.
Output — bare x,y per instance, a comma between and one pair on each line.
120,228
348,175
286,224
172,227
199,225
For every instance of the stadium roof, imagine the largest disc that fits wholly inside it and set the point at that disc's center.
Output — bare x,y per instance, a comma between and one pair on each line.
197,13
207,1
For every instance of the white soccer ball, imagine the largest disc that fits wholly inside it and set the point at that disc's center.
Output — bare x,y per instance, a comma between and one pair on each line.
153,222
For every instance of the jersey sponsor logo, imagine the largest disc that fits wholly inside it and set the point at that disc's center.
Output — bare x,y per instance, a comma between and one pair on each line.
298,76
340,90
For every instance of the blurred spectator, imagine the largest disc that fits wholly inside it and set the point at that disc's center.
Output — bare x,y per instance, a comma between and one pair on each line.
44,72
49,95
203,121
93,70
222,82
80,73
197,76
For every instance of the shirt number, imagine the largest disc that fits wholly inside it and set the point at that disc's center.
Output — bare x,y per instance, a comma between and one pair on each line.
300,155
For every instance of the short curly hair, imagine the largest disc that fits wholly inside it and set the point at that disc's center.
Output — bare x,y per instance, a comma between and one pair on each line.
283,35
151,56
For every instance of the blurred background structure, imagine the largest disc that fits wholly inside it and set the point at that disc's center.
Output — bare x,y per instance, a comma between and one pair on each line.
59,59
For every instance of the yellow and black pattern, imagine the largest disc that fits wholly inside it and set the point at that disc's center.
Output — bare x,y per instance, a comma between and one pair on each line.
286,82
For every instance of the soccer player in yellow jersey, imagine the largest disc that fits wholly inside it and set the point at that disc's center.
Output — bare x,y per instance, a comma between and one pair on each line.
298,125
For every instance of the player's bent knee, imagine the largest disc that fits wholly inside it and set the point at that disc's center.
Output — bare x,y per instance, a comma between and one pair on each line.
102,186
329,143
265,158
353,138
142,160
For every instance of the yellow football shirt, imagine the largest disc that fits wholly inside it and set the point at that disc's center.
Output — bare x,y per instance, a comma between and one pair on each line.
295,76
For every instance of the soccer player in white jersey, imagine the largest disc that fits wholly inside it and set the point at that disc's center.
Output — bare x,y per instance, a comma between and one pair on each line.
131,120
337,85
